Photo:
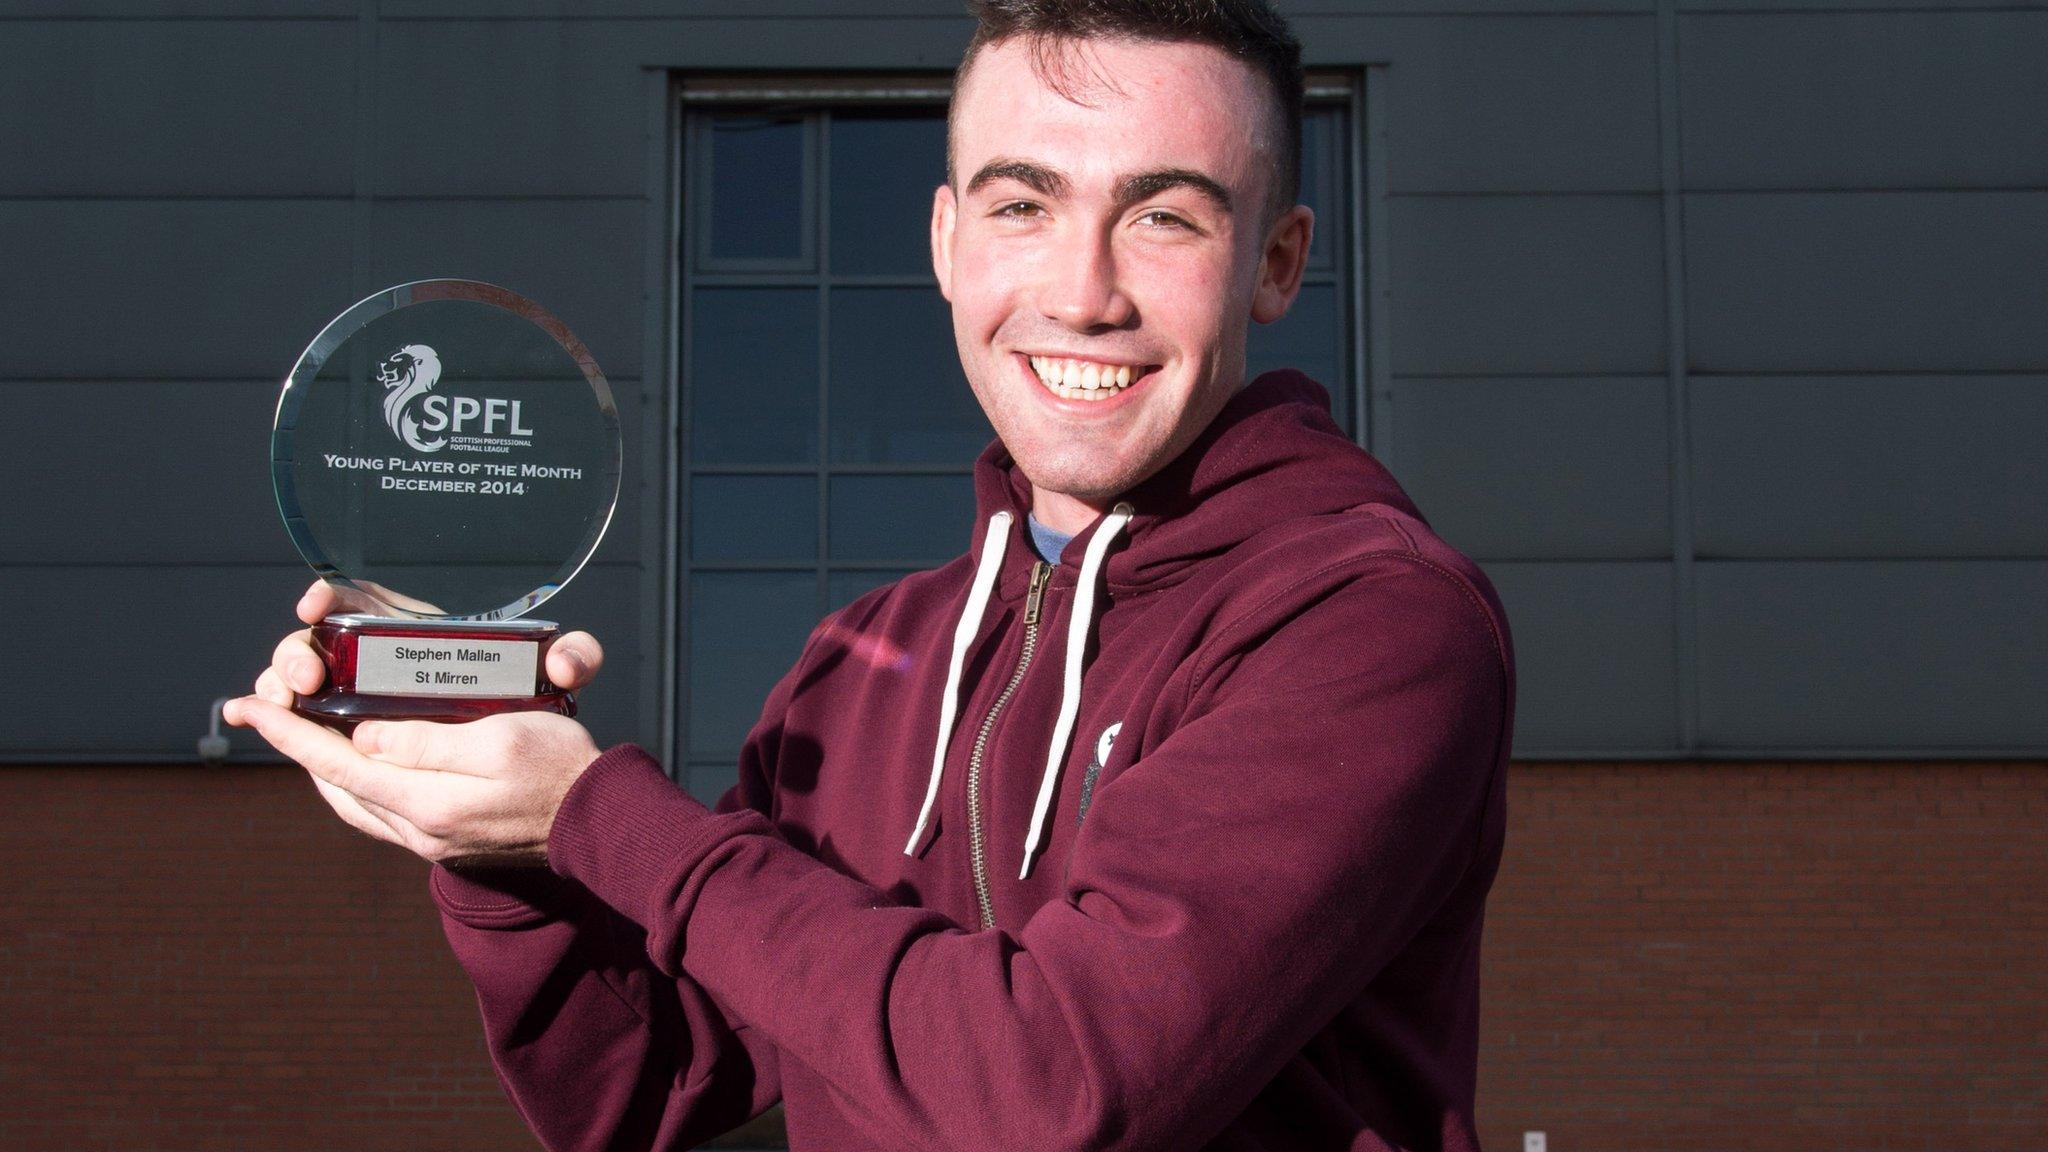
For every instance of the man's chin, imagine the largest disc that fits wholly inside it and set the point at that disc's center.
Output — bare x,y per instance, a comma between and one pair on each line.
1088,486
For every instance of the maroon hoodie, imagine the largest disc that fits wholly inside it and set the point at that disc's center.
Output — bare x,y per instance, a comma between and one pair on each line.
1273,808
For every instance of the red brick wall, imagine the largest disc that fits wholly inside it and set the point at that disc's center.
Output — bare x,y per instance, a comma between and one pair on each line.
208,959
1765,957
1679,957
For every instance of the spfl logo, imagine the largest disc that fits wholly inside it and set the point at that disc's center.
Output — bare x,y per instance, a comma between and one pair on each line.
416,415
408,375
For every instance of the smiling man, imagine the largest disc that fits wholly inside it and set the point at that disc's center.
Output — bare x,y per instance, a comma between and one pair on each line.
1163,818
1112,235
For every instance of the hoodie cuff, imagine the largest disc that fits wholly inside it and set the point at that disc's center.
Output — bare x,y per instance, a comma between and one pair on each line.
627,833
497,897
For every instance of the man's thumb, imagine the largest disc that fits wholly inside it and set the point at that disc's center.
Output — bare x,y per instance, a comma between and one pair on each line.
573,660
406,743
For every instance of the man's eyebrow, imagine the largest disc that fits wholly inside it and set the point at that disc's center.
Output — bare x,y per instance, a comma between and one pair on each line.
1145,185
1036,177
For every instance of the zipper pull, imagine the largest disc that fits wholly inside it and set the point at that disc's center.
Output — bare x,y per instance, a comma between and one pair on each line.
1041,575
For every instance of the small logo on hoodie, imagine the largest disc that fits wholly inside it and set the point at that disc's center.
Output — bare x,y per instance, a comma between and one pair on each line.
1103,744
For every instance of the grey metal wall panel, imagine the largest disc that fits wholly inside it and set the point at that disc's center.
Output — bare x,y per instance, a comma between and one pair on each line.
697,9
1534,104
131,657
625,541
1593,656
1874,655
561,10
1504,285
228,289
1754,6
1907,281
1865,100
1885,466
507,139
1298,9
178,472
722,43
1539,469
149,472
144,109
179,9
579,258
516,108
604,600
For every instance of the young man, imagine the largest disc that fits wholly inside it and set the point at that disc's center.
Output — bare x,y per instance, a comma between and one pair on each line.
1176,835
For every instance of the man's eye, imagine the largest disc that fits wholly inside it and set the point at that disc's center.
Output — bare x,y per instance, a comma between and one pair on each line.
1160,218
1018,208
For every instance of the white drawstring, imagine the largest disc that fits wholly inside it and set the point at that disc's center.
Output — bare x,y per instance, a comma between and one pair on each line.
1070,691
991,562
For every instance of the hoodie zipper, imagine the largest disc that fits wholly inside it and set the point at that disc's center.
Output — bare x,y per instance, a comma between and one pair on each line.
977,837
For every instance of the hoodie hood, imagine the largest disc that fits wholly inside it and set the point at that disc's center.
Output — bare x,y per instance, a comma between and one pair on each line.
1271,455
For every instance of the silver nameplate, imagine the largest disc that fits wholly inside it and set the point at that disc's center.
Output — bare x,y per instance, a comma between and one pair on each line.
422,666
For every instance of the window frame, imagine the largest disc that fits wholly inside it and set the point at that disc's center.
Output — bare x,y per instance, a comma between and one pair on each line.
816,99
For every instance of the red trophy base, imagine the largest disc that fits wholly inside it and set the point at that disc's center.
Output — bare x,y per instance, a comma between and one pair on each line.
449,671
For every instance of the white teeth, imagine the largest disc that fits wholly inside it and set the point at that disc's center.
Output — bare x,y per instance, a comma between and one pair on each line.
1081,379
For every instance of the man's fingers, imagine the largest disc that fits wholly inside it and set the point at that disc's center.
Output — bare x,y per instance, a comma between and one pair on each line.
318,603
573,660
298,667
270,686
375,821
326,754
476,748
406,743
358,816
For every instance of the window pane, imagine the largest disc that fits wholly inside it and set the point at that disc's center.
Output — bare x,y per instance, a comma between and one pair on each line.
757,190
1322,174
1309,337
885,167
897,392
754,376
844,588
746,630
753,518
707,782
924,520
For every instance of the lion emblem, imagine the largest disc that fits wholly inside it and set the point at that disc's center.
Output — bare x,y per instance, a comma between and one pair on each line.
408,374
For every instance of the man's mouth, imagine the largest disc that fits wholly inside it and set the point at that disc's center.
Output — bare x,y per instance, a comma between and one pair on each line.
1085,379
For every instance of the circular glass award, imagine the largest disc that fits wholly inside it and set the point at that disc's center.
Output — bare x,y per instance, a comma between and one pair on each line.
446,455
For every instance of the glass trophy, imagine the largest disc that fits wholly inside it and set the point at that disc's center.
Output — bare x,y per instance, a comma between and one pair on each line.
446,456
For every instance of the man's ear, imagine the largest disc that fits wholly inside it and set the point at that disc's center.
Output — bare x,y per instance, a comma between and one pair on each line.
1282,263
944,211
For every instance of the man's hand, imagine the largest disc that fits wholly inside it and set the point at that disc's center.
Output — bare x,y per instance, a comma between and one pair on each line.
572,661
485,792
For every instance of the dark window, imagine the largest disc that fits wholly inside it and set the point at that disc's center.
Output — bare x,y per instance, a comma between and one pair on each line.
829,433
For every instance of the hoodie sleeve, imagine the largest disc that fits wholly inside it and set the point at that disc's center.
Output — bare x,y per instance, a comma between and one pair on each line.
595,1045
1332,782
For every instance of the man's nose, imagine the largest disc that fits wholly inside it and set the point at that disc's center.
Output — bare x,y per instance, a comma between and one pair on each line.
1083,291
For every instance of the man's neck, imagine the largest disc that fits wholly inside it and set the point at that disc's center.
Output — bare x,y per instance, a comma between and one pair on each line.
1069,515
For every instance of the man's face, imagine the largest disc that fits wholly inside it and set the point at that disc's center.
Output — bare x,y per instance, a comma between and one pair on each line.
1103,258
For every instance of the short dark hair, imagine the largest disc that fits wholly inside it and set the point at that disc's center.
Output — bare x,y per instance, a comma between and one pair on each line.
1248,30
